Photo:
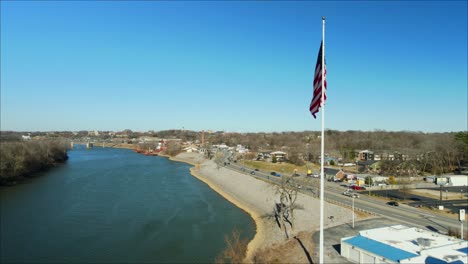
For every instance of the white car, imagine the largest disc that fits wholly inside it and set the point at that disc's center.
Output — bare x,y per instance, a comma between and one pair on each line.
350,194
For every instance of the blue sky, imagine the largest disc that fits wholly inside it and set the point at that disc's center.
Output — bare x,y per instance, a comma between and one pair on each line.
234,66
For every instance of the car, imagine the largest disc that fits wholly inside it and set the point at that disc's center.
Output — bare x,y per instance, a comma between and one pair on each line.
351,194
393,203
275,174
256,170
252,172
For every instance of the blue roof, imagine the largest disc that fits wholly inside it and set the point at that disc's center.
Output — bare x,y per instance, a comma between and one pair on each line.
463,250
432,260
379,248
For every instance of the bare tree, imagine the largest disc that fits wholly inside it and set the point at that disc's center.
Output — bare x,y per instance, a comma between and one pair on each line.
284,210
235,251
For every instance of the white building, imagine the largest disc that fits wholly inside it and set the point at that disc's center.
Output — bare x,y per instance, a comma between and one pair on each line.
241,149
402,244
190,149
457,180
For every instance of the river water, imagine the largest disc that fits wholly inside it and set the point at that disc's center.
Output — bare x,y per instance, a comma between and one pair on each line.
113,205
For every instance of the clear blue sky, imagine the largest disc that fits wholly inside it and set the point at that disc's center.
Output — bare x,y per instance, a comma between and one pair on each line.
234,66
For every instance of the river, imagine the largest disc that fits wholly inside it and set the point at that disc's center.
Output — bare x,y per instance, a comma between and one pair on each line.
113,205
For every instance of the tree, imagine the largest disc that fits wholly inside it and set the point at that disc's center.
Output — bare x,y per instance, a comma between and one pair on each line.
173,148
369,180
284,210
235,250
392,180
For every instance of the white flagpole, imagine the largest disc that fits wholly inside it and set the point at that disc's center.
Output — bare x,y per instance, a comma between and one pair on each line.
322,178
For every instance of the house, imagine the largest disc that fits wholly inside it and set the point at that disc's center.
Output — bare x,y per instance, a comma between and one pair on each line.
278,155
376,179
365,155
202,150
262,155
241,149
330,160
405,245
343,176
340,176
190,149
26,137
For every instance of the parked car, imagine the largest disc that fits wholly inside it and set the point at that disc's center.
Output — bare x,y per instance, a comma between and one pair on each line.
275,174
256,170
393,203
357,187
252,172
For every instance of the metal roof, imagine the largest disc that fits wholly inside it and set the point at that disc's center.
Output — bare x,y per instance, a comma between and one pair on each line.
463,250
379,248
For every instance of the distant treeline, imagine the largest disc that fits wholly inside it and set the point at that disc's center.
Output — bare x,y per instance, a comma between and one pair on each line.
19,160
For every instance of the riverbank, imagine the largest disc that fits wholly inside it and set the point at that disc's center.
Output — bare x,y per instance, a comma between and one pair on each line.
258,199
27,159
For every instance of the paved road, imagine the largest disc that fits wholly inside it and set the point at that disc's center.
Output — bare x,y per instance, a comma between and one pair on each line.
333,193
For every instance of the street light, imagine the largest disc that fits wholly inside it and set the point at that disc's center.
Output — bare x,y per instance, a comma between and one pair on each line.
353,211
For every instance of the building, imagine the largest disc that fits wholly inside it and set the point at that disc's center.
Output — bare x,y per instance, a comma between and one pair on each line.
376,179
457,180
241,149
340,176
365,155
190,149
402,244
449,180
278,155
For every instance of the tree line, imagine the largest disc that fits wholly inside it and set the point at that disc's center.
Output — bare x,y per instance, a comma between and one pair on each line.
415,152
19,160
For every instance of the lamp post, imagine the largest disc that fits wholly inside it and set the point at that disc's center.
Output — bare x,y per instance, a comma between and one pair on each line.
353,211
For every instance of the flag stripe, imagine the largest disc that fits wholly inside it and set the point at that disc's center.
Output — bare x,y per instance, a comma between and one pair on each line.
316,101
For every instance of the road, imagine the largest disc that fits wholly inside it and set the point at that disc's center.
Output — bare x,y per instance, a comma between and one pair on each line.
333,193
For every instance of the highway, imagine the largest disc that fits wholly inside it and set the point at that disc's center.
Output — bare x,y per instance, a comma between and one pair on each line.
333,193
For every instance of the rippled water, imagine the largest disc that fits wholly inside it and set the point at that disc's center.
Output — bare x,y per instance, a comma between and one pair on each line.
113,205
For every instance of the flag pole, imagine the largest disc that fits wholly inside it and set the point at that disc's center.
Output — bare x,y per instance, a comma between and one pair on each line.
322,178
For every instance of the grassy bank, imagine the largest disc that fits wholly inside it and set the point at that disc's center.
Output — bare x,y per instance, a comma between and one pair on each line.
282,167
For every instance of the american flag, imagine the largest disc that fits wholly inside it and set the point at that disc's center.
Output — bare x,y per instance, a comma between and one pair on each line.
316,102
